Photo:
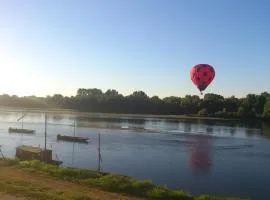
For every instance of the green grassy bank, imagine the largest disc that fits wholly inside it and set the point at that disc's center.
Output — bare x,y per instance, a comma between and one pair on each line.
108,182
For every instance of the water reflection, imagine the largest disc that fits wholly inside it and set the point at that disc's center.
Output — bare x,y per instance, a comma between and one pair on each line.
103,122
73,152
250,132
200,154
232,131
57,117
209,129
266,129
187,127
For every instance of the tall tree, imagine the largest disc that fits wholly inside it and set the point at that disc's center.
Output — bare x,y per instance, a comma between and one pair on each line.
266,111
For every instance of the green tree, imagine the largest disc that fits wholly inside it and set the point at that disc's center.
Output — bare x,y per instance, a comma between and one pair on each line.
156,100
241,111
266,112
139,95
111,93
259,105
231,104
202,112
94,100
172,100
213,97
212,102
190,104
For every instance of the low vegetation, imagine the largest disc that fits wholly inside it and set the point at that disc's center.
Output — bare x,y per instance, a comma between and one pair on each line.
107,182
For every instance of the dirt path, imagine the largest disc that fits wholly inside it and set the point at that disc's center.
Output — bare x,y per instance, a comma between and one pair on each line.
49,183
9,197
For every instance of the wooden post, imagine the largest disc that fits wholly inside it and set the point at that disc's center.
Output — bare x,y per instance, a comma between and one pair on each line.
74,127
74,133
99,152
45,132
2,152
73,152
22,128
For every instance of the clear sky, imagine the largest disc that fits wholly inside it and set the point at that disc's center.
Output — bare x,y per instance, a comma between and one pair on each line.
58,46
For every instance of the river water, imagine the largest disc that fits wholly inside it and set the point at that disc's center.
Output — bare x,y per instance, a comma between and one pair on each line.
213,157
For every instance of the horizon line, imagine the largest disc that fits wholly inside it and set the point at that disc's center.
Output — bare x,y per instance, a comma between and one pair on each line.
125,95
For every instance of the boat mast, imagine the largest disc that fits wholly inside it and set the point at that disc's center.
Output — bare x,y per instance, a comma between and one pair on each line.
21,118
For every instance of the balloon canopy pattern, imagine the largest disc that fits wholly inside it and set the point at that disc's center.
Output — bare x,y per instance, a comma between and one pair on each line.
202,75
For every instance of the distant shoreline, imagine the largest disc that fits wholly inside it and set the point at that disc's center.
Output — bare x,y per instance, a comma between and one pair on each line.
111,115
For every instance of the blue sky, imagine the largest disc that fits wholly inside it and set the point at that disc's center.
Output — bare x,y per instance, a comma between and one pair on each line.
49,47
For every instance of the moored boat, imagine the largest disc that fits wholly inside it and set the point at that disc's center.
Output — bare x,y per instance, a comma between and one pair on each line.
72,138
21,130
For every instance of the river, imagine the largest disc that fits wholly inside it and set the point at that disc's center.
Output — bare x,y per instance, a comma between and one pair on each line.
213,157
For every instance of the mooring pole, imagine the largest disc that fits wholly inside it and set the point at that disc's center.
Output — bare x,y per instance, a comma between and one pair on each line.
99,152
2,152
45,131
74,130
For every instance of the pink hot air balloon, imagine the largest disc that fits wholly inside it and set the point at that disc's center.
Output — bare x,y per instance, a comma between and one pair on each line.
202,75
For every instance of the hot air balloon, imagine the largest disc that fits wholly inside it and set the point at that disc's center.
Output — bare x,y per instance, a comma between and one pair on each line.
202,75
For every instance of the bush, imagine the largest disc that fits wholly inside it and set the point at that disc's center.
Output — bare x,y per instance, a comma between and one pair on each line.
202,112
165,193
59,172
127,185
8,162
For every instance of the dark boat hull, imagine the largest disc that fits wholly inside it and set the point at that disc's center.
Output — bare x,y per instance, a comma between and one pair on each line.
21,130
72,138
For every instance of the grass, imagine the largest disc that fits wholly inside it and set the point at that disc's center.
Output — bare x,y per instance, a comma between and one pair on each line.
62,173
25,189
107,182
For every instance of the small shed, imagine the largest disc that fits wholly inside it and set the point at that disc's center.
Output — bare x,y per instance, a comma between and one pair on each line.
24,152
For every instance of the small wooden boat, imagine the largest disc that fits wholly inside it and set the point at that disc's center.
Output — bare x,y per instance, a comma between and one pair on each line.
21,130
72,138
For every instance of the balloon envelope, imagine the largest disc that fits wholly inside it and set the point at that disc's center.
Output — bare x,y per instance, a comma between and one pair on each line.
202,75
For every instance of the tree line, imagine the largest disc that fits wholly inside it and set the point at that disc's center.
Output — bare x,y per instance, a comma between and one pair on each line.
111,101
